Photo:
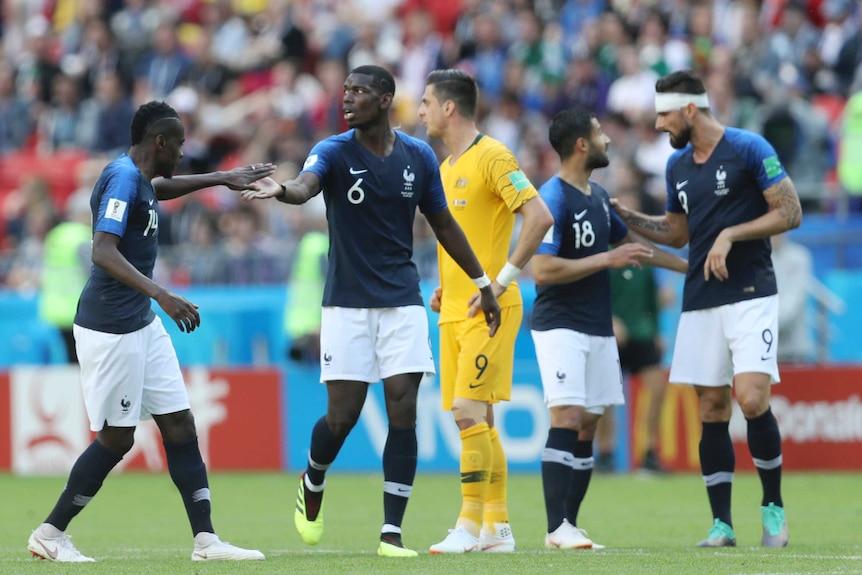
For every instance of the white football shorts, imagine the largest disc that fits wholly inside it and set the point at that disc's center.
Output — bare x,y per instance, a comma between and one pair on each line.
370,344
714,344
579,369
128,377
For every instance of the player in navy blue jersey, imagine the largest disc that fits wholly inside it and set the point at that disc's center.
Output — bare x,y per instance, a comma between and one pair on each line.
572,322
374,324
727,193
129,369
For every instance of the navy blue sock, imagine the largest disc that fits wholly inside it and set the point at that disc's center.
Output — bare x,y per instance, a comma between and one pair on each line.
189,473
557,459
718,462
85,479
582,471
764,442
399,471
324,449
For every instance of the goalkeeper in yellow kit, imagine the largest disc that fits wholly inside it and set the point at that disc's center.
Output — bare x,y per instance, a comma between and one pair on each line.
485,188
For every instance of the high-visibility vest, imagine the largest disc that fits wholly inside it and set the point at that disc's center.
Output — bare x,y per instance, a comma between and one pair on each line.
63,273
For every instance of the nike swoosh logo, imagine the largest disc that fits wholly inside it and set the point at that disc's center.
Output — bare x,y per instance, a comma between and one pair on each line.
151,202
403,489
356,172
474,386
680,185
580,215
762,358
52,554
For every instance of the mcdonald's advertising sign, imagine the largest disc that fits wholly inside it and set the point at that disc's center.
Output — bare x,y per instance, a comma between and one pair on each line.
819,413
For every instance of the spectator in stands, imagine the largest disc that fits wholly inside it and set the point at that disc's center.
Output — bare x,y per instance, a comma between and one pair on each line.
165,66
106,117
201,260
633,92
250,258
133,27
37,64
60,126
793,272
488,59
799,132
15,123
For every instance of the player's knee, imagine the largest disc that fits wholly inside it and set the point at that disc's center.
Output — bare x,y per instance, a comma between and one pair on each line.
341,422
117,440
753,405
469,412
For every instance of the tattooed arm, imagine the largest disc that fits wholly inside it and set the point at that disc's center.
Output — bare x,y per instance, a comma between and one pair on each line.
785,213
671,229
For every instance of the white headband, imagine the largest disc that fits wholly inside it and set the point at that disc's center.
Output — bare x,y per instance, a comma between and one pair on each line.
670,101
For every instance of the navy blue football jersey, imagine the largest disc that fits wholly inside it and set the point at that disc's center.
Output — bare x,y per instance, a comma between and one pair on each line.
123,203
584,225
724,191
371,202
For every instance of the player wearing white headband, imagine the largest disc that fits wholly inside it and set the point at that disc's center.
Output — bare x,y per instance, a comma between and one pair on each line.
727,194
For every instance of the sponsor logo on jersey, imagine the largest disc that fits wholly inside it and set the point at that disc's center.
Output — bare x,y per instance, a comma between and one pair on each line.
461,183
354,172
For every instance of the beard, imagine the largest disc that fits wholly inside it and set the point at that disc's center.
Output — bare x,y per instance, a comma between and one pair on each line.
597,158
682,139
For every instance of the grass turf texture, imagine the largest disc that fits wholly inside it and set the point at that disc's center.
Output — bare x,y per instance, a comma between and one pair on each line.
137,525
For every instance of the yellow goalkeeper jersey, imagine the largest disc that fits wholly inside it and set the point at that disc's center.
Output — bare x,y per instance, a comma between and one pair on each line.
483,187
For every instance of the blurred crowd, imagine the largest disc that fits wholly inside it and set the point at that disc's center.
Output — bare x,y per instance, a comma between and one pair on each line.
258,80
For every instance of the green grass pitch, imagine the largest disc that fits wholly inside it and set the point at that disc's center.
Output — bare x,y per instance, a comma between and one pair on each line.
137,525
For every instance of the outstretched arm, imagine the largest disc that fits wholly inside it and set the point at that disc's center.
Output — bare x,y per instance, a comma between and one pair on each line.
452,238
236,179
671,229
298,191
659,257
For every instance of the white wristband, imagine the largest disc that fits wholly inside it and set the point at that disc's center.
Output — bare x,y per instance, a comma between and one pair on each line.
482,282
508,274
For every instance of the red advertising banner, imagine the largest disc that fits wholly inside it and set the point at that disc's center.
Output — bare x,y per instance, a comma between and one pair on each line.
819,412
233,409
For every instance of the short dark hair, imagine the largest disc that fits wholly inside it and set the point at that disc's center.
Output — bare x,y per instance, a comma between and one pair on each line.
458,86
147,116
566,127
682,81
383,79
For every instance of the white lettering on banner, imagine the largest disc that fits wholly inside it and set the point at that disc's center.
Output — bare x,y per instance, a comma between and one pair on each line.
50,428
49,422
430,418
803,421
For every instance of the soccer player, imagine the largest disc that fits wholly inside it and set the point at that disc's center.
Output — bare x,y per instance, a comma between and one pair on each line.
571,326
727,193
129,369
485,188
374,323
